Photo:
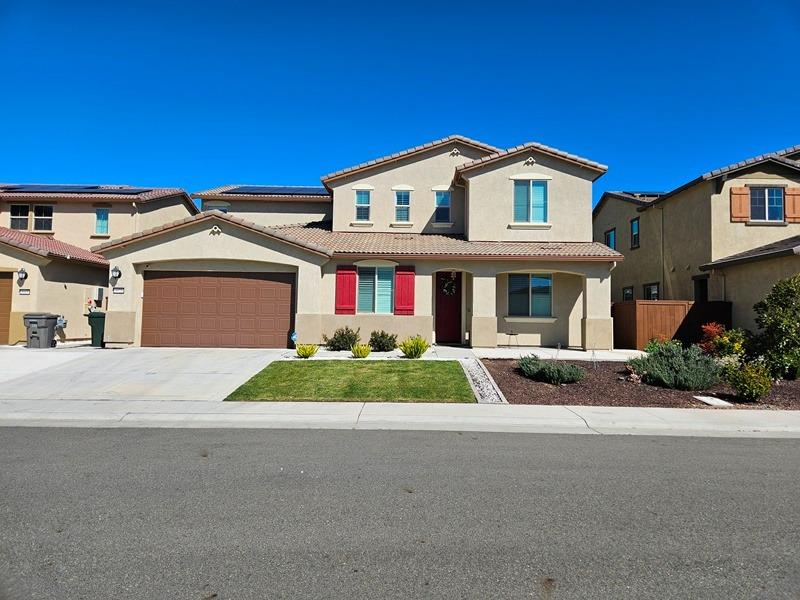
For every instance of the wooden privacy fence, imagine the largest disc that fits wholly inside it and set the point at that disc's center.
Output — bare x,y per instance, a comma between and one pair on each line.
636,322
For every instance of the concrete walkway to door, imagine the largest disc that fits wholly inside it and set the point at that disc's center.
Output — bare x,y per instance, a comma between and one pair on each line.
83,373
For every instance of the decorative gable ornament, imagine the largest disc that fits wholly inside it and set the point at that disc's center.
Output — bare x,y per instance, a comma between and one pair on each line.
530,161
455,152
215,230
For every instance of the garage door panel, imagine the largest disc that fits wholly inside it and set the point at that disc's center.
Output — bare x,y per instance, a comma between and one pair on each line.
217,309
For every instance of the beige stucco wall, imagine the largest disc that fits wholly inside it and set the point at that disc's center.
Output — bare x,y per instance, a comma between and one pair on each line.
196,248
55,286
158,212
281,213
744,285
422,172
732,238
490,197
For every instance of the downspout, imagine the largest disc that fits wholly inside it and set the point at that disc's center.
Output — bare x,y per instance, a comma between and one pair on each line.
663,267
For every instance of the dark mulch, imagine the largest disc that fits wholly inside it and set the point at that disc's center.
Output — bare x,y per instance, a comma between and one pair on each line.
602,386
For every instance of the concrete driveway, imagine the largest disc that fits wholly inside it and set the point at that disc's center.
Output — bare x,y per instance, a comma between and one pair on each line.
129,374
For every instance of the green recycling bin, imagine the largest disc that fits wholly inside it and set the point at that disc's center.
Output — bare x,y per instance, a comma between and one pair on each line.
97,323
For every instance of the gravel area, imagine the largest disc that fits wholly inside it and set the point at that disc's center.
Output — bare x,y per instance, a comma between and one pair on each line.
602,386
486,391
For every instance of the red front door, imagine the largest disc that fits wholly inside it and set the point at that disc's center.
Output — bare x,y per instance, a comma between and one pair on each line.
448,307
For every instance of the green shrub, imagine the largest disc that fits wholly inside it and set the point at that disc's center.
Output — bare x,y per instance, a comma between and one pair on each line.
360,350
380,341
751,380
730,342
550,371
306,350
414,347
778,317
342,339
673,366
655,343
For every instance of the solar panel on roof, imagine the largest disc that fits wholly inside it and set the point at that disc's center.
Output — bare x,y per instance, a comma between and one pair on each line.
279,190
74,189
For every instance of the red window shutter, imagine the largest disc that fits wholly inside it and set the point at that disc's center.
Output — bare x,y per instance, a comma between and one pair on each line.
792,205
740,204
404,290
345,290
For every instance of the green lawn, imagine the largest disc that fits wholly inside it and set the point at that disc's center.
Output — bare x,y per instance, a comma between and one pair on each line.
359,381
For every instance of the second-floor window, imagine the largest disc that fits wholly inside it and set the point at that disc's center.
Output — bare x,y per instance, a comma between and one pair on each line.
43,217
101,221
376,290
530,295
530,201
362,205
766,204
19,217
635,232
402,208
442,211
611,239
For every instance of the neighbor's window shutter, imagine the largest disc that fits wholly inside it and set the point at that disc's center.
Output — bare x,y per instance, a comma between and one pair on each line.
346,290
792,205
740,204
404,290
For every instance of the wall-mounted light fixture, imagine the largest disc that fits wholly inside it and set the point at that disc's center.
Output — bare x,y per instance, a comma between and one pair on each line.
116,273
22,274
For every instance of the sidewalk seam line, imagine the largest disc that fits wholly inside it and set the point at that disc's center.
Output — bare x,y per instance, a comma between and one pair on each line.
358,418
585,422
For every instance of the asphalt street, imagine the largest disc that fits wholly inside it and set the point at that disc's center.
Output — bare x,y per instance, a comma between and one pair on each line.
240,514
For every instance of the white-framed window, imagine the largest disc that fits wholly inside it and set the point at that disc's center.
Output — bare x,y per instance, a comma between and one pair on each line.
766,204
20,217
101,221
651,291
442,210
530,201
43,217
402,206
530,295
375,290
362,205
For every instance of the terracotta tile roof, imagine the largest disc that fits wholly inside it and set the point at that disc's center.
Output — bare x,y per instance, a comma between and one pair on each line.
440,142
148,195
432,245
224,192
48,247
208,215
790,150
500,155
786,247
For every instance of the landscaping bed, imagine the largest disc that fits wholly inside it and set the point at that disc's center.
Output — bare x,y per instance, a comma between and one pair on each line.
602,387
358,381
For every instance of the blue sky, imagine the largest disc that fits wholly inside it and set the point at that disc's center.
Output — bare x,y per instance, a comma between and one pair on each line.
198,94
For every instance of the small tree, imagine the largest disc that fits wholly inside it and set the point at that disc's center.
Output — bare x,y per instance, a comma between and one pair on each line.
778,317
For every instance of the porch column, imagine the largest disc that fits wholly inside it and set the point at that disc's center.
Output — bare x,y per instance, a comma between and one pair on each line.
597,327
484,311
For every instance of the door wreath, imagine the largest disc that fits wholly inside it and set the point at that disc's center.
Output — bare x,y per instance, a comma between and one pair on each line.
449,287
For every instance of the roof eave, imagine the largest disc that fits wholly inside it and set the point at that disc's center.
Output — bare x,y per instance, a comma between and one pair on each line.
471,257
721,264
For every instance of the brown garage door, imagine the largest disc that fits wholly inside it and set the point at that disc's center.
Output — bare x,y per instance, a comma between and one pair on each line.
217,310
6,285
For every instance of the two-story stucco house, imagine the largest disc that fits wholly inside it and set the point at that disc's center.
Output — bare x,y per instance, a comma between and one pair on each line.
45,233
454,240
686,244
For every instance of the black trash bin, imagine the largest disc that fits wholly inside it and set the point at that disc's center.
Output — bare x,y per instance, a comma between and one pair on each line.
40,329
97,323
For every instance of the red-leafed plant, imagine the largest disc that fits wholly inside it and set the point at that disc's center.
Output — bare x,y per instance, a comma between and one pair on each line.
711,331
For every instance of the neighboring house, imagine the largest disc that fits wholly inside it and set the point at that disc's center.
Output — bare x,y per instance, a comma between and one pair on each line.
747,277
45,233
667,237
455,240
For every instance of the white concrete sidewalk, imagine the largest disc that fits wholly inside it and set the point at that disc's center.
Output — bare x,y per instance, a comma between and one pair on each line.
443,417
